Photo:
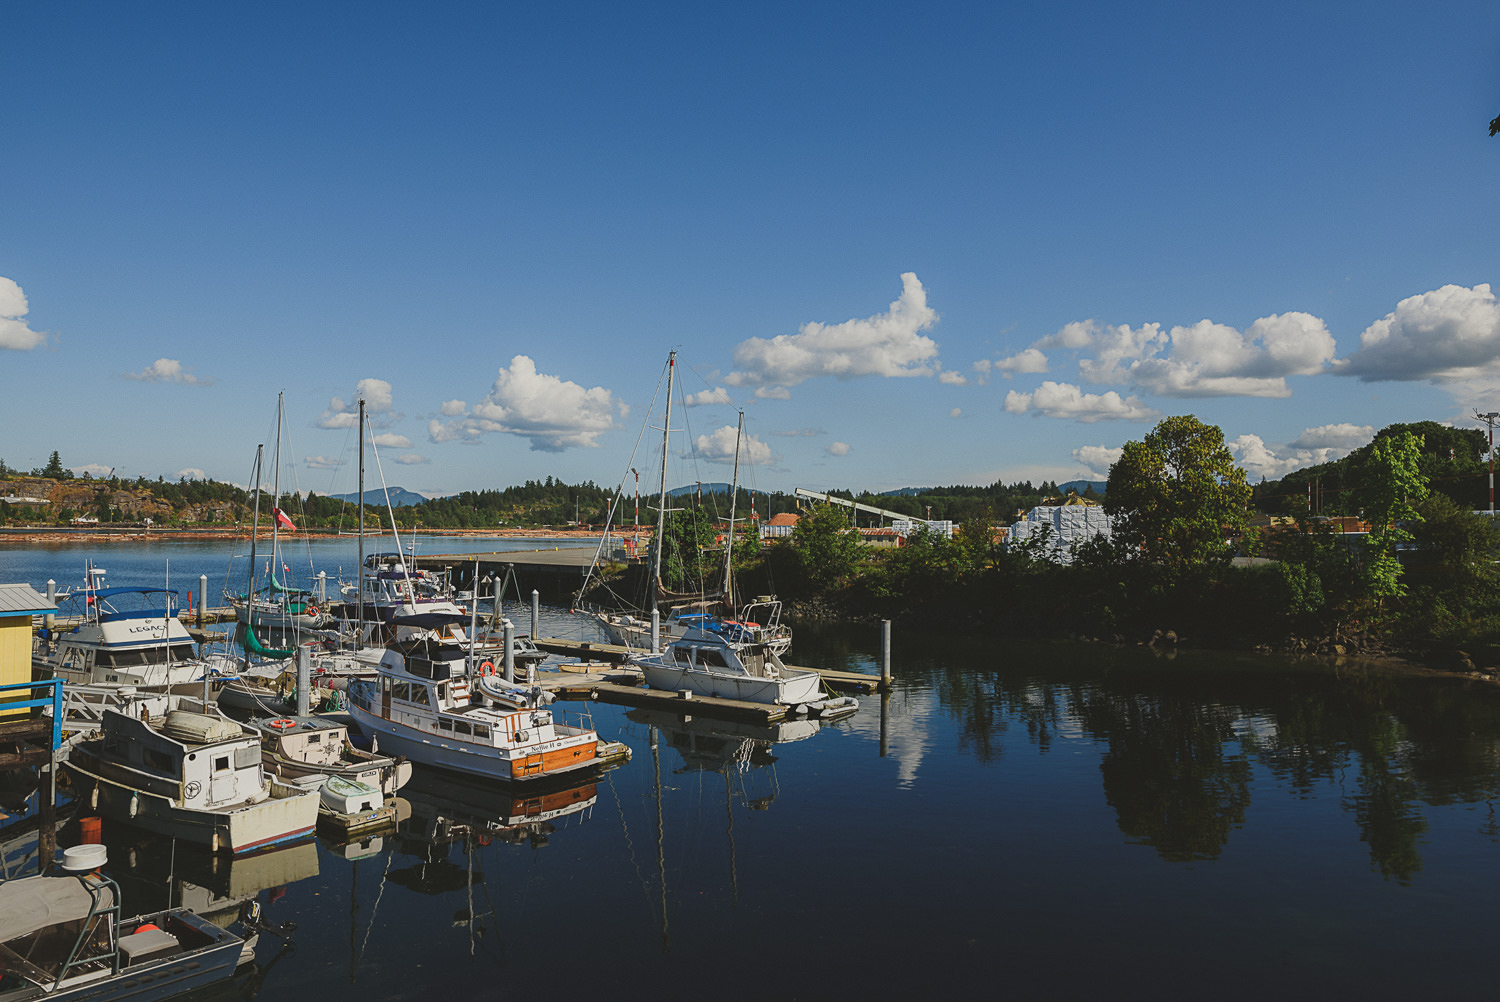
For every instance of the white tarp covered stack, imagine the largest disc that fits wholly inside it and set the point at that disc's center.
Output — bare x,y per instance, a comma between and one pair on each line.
1066,525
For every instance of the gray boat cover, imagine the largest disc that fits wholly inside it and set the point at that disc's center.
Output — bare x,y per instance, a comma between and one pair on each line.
30,904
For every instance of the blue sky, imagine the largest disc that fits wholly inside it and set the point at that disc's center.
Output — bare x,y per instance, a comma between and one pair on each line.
917,244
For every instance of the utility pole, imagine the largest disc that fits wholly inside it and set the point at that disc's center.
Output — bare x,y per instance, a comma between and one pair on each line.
1489,419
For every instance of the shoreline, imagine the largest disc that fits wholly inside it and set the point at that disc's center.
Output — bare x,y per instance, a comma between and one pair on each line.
136,534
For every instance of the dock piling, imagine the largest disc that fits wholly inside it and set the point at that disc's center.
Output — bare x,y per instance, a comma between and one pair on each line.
202,598
885,653
50,619
536,611
510,655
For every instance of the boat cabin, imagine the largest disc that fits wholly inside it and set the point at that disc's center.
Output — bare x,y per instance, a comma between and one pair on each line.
196,759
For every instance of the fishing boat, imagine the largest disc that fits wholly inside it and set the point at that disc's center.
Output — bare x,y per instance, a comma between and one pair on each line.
62,937
709,664
429,703
124,637
295,747
192,774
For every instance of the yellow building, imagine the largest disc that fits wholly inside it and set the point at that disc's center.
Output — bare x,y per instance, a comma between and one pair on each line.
18,603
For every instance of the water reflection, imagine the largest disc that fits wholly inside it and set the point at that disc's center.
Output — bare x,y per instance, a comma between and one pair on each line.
1188,742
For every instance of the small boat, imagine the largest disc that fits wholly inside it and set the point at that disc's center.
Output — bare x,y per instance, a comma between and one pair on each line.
425,704
293,747
62,937
709,664
758,621
353,809
193,774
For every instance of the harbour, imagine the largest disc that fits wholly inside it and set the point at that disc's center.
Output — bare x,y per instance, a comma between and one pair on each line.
995,787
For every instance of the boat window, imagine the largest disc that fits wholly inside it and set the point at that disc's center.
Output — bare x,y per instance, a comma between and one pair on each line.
481,731
221,763
444,724
419,694
682,655
402,691
461,727
315,739
711,658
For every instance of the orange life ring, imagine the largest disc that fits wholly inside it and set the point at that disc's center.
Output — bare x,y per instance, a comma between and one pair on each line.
487,668
283,724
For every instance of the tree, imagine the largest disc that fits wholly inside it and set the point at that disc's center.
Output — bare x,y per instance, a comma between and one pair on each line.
1391,486
827,546
55,469
1177,496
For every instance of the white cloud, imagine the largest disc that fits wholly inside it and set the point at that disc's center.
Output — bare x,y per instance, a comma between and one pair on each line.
718,447
95,470
554,414
14,334
1064,400
411,459
1205,359
454,408
956,412
838,449
323,463
390,440
1342,437
1318,445
168,370
773,393
952,377
1097,458
378,399
190,473
1030,361
1448,334
887,344
716,395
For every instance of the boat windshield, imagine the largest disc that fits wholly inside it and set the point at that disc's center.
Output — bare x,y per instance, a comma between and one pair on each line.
145,656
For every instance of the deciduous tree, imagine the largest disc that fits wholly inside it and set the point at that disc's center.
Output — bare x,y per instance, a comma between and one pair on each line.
1177,497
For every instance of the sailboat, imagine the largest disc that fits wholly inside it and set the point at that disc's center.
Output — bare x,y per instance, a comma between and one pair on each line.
758,621
270,614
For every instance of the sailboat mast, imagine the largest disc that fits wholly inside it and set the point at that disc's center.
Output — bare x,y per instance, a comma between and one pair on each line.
734,493
254,530
661,508
359,568
276,487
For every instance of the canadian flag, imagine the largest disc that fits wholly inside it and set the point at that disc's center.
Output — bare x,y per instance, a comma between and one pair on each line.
282,520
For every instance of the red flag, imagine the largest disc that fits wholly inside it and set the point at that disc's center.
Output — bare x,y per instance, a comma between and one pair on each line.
282,520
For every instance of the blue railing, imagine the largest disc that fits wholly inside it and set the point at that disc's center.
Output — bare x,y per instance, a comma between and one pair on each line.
55,700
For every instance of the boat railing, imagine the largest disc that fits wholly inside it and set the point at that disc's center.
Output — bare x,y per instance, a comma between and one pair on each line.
51,690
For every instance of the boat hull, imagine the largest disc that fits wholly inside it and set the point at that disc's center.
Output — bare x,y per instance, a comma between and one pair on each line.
289,814
791,689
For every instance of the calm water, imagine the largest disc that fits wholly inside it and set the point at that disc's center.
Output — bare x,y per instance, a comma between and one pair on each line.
1048,821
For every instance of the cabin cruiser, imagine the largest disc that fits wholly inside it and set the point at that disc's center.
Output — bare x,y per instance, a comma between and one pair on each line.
707,663
435,700
192,774
125,637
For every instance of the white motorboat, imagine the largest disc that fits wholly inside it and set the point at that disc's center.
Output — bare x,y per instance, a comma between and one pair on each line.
294,747
427,705
709,664
193,774
125,637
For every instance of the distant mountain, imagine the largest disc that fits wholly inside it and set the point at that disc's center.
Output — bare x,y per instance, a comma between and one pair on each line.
400,497
905,492
1082,485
